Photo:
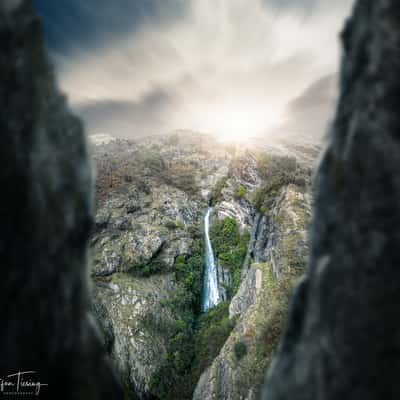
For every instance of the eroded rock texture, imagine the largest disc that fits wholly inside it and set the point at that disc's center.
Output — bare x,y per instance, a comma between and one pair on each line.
46,215
259,306
343,338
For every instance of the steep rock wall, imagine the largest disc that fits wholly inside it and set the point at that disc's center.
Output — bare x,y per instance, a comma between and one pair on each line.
238,371
343,335
46,215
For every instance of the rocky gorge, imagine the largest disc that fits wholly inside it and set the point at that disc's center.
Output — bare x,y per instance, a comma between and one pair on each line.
148,261
342,338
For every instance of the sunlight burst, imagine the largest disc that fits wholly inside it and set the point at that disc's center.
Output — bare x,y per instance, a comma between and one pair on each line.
238,123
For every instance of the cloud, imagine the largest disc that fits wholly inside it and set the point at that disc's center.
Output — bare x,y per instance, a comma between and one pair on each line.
321,93
308,116
231,67
129,118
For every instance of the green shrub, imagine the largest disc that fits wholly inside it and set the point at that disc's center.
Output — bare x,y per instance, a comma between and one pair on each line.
277,172
258,198
145,270
180,224
218,188
182,176
230,248
153,161
195,231
269,165
240,193
240,350
188,272
173,225
214,327
191,352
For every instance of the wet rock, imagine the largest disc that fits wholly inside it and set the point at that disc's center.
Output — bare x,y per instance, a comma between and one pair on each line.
260,238
224,281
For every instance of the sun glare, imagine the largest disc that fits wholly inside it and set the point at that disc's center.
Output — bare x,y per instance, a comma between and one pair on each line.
237,123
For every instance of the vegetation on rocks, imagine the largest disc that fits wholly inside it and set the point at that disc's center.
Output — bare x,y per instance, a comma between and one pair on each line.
240,192
240,349
189,273
218,188
277,172
266,328
196,338
149,233
213,329
230,247
174,379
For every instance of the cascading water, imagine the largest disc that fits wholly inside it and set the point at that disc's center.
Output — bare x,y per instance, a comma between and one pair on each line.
210,290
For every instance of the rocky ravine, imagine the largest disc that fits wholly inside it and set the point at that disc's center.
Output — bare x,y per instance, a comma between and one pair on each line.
260,303
151,201
143,223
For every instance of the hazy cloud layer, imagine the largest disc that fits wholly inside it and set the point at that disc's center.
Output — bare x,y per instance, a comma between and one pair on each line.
308,116
232,67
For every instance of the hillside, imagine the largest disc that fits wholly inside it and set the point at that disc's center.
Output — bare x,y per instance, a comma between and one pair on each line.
148,261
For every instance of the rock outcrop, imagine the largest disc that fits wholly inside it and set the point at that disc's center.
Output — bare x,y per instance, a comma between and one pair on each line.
46,217
135,324
135,229
342,339
138,237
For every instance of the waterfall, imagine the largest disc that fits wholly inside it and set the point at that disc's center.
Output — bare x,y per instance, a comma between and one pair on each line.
210,290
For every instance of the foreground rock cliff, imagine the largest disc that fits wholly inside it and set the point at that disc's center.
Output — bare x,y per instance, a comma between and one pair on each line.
46,216
342,340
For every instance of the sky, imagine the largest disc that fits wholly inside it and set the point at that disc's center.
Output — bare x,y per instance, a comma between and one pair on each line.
234,68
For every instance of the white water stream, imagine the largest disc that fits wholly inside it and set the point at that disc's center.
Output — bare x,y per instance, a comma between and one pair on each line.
210,291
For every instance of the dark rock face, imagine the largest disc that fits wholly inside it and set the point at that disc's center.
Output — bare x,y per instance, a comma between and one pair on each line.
258,242
343,337
46,216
